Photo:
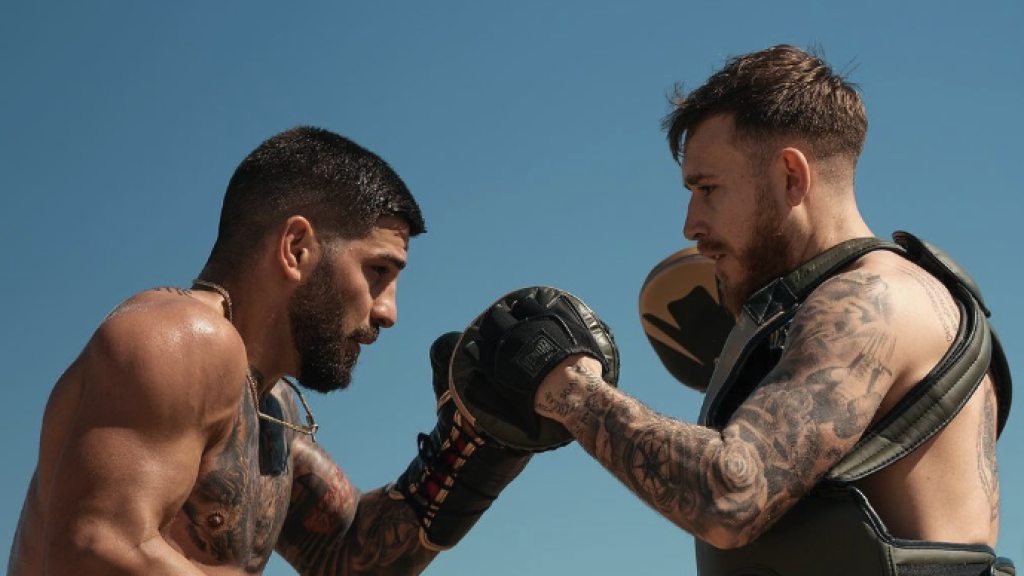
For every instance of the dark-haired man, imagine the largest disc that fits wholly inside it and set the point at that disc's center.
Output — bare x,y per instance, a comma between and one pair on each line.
850,425
172,445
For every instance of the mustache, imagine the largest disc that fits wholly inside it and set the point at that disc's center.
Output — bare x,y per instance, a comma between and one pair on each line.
366,335
705,245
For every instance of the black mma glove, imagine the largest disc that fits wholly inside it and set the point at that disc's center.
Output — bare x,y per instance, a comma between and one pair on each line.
518,347
456,474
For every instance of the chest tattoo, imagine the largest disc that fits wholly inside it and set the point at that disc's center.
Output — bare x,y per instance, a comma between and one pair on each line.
239,503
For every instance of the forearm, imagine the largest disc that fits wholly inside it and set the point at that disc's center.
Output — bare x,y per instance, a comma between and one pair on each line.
709,483
383,539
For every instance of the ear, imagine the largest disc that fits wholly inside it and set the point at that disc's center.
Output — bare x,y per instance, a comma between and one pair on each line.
798,175
297,248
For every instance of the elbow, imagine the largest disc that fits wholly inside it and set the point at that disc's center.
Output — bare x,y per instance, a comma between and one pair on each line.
727,528
737,512
89,549
726,538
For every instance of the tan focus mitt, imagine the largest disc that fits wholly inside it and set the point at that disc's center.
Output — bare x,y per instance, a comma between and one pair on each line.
684,318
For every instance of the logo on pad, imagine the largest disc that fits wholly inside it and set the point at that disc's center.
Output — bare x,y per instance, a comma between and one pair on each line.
533,357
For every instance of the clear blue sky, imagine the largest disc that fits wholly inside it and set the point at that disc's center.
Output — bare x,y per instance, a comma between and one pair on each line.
530,134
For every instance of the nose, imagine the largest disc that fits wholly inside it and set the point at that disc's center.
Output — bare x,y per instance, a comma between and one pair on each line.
385,308
695,226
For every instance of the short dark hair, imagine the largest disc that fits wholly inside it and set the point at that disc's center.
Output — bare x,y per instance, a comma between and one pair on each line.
339,186
779,92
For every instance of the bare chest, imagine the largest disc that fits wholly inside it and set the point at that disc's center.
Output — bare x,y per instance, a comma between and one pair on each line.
232,520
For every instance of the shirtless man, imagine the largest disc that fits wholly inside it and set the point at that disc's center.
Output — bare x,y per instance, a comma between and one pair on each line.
768,148
173,446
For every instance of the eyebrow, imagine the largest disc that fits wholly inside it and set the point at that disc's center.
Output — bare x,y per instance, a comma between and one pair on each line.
695,179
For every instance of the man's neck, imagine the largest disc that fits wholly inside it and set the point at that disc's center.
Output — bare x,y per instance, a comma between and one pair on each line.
828,224
261,319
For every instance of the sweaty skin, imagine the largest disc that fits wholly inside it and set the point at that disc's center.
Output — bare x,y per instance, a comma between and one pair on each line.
152,460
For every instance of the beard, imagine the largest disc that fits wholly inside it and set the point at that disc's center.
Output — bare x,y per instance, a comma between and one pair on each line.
317,312
765,257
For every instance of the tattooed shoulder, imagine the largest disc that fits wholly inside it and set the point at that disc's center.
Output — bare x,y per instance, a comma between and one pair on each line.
174,290
840,316
937,296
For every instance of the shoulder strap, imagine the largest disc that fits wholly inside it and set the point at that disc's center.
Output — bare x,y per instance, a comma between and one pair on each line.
795,287
936,262
929,406
771,307
937,399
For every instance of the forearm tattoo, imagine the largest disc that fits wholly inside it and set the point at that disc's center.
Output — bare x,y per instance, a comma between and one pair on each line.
735,482
331,530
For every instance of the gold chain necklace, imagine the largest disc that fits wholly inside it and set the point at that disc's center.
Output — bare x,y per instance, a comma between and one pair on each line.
311,426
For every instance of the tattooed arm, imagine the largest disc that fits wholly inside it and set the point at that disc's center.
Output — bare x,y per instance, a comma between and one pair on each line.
332,529
728,486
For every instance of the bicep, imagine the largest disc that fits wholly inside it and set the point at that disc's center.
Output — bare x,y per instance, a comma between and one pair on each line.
119,478
838,364
130,454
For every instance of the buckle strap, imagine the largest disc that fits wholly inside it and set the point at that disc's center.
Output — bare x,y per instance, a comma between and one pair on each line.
790,290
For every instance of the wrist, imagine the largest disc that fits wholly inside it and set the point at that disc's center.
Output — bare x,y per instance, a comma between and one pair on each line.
562,394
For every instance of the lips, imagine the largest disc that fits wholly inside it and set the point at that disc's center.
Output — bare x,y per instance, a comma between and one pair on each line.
716,256
712,249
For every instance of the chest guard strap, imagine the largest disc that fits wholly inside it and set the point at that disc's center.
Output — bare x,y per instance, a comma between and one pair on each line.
927,408
938,398
770,309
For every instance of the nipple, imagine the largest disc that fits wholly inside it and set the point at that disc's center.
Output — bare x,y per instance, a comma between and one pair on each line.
215,520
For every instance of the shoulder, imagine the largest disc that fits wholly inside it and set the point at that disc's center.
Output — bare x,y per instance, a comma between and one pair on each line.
860,296
883,305
883,285
171,354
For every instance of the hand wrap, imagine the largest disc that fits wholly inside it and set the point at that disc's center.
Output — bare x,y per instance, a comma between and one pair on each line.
456,474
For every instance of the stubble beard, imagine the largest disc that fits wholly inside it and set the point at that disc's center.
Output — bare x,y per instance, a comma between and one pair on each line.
765,257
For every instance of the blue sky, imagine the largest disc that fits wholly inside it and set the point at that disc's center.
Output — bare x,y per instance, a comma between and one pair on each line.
529,133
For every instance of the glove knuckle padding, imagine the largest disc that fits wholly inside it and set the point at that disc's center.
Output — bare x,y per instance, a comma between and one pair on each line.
531,348
510,348
456,474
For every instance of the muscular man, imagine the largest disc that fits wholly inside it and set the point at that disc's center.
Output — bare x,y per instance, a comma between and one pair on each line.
173,446
866,331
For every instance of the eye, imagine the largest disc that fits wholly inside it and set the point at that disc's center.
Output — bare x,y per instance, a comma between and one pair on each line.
706,189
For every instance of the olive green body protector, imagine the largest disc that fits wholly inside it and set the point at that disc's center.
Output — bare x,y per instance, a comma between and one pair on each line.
834,530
